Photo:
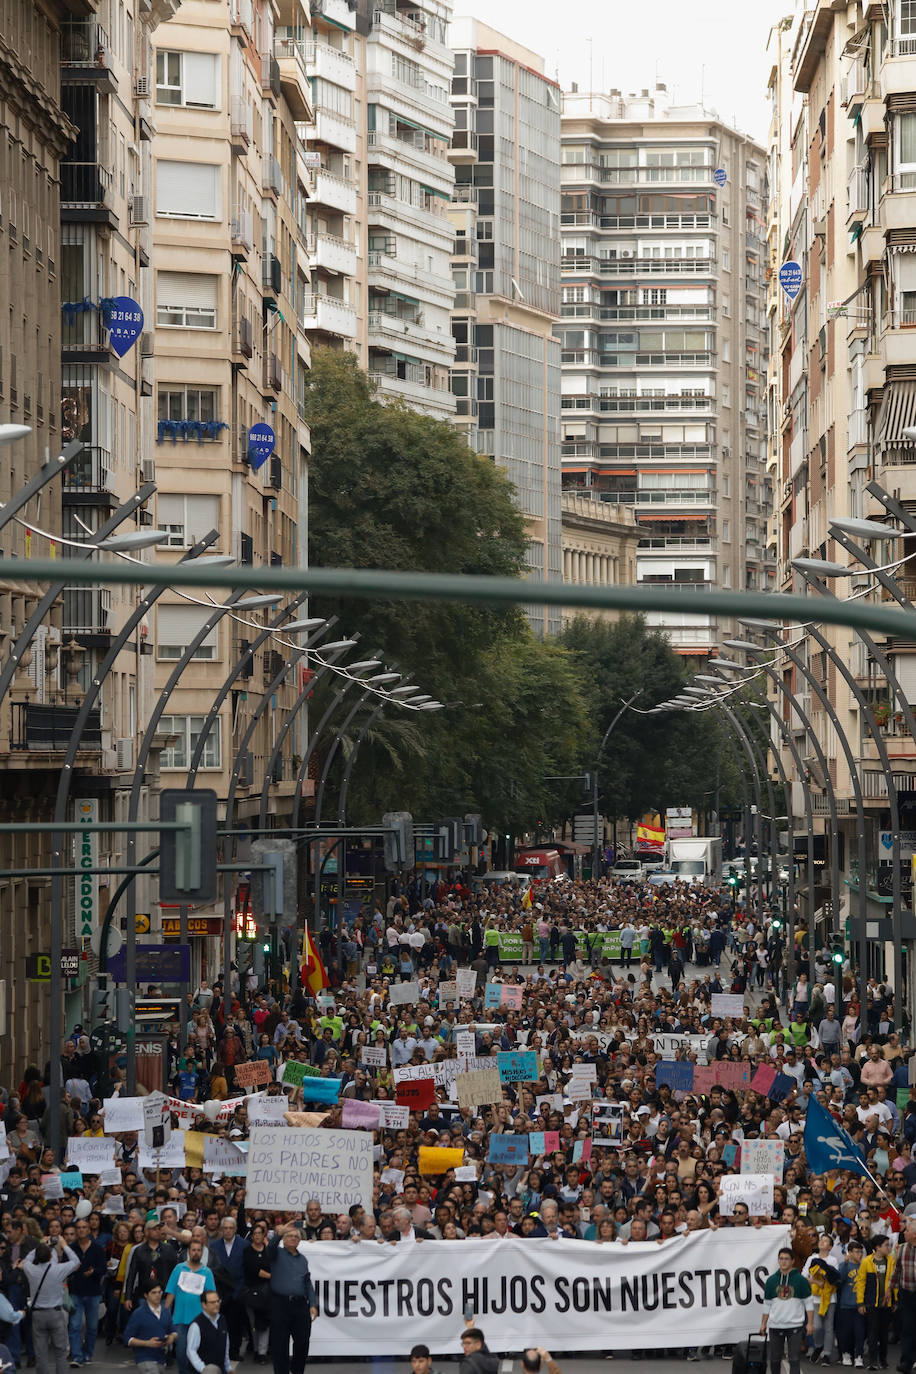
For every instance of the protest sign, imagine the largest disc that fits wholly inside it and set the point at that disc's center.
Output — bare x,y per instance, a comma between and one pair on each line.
553,1101
294,1073
579,1089
677,1073
727,1004
373,1056
492,995
110,1178
71,1179
754,1189
91,1153
433,1160
466,1174
731,1152
384,1299
704,1078
325,1090
415,1093
480,1088
392,1116
123,1114
582,1151
52,1186
409,1073
731,1073
265,1110
359,1115
763,1157
465,1043
782,1086
607,1123
222,1157
466,981
517,1066
157,1121
252,1072
512,996
543,1142
288,1167
448,993
508,1149
403,994
171,1156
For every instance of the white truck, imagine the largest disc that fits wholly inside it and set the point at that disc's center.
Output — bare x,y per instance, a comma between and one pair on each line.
697,860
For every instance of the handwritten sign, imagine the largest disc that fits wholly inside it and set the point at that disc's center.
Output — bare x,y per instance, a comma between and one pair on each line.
466,982
264,1110
393,1117
71,1180
512,996
289,1167
763,1079
582,1151
763,1157
254,1071
171,1156
90,1153
543,1142
321,1090
415,1093
754,1189
727,1004
517,1066
123,1114
492,996
465,1043
222,1157
482,1087
403,994
677,1073
373,1056
448,993
294,1073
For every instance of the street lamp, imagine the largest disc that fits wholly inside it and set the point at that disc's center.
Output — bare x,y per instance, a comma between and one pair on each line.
132,541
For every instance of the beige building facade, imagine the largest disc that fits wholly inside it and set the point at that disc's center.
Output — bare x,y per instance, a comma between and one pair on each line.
599,546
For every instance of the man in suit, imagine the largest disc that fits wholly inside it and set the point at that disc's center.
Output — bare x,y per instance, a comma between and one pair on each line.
405,1229
226,1264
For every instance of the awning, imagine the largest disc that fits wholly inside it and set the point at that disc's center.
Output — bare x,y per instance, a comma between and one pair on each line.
897,413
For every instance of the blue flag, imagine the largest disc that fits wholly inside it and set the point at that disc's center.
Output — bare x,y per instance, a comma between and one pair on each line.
828,1145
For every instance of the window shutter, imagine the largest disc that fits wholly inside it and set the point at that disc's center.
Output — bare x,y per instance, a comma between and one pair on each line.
200,79
194,289
188,188
177,625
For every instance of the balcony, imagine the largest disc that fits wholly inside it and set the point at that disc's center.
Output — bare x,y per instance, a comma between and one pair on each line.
329,316
84,338
239,124
330,64
241,232
271,176
463,150
289,54
87,479
338,13
242,340
464,195
47,729
85,191
273,374
84,55
336,130
898,70
857,195
335,192
654,266
271,275
628,404
270,75
332,254
86,612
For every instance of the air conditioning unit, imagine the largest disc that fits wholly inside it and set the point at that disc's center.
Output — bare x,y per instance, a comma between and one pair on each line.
138,210
143,88
147,469
125,755
146,344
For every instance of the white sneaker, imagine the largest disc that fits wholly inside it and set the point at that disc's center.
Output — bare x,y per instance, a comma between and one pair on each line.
860,1363
847,1360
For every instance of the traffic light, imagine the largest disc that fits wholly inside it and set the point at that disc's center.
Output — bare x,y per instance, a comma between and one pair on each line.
398,842
274,887
838,956
733,880
103,1003
777,923
187,857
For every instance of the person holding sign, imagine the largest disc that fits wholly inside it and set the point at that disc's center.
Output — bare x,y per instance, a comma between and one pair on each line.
293,1301
187,1284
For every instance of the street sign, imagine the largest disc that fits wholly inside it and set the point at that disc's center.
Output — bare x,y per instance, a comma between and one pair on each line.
155,964
790,278
38,966
197,925
86,855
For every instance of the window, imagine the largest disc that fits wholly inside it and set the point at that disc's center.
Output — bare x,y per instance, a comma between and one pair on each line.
186,518
186,300
187,729
187,403
187,78
176,626
906,42
906,149
726,531
726,260
188,190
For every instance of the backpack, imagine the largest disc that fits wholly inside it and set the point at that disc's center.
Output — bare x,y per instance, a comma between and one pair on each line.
527,931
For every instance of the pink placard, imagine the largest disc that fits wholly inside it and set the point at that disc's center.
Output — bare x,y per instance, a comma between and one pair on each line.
361,1115
704,1078
551,1141
731,1075
512,996
763,1079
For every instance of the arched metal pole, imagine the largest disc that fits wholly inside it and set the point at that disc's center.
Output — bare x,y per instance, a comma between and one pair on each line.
45,474
60,813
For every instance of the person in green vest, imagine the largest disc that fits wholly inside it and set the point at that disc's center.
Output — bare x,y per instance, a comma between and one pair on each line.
491,946
333,1023
798,1031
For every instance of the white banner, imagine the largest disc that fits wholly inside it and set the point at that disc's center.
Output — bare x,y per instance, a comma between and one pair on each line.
289,1165
702,1289
122,1114
171,1156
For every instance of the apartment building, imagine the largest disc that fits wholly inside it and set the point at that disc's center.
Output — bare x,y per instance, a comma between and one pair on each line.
232,291
663,344
334,313
842,390
409,186
506,274
599,545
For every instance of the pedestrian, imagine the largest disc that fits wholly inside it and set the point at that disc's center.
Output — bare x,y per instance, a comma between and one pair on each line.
874,1289
46,1273
788,1313
905,1269
184,1294
226,1258
208,1338
85,1288
149,1332
477,1358
850,1323
421,1361
293,1302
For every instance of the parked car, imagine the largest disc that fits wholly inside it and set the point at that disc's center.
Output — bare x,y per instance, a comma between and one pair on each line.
627,871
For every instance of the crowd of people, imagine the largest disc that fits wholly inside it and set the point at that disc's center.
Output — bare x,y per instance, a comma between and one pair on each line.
149,1258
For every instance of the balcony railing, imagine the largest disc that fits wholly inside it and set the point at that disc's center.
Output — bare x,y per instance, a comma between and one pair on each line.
84,183
47,729
86,611
83,43
89,471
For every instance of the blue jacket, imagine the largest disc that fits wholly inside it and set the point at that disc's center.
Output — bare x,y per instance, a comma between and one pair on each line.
83,1283
146,1326
231,1264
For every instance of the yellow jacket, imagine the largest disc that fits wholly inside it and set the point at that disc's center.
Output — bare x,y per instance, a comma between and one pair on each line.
867,1281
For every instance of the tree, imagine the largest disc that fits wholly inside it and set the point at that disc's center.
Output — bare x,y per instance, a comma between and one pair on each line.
389,488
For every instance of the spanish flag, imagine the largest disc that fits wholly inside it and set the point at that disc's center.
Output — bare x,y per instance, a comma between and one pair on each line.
526,900
314,976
